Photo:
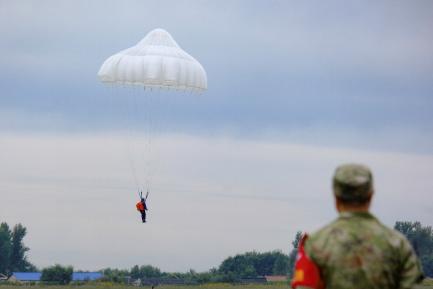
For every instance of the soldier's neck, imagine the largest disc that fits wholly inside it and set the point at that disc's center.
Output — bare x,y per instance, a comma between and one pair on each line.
342,207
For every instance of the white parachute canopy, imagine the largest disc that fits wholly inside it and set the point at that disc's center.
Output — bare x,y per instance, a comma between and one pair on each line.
156,61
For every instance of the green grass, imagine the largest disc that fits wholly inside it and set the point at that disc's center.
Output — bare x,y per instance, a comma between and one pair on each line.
119,286
428,284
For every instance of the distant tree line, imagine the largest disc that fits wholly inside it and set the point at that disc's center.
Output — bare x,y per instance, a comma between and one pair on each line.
146,272
232,269
254,264
13,255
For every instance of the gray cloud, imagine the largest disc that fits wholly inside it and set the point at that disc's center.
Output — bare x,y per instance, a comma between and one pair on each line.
296,65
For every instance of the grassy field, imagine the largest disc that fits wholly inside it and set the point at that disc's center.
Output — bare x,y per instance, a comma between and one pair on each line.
426,285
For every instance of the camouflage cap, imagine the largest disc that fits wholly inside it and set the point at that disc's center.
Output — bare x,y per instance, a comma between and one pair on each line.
353,183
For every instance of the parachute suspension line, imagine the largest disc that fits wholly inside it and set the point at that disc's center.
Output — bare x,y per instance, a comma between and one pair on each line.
149,139
151,122
154,105
146,153
138,112
143,153
129,142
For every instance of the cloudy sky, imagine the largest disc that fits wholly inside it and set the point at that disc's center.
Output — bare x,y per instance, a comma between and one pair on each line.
294,89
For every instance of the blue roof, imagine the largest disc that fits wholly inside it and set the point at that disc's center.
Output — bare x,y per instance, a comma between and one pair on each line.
27,276
86,276
77,276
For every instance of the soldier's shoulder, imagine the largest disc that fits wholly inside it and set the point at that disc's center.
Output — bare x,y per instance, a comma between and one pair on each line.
398,240
394,237
319,242
339,228
324,232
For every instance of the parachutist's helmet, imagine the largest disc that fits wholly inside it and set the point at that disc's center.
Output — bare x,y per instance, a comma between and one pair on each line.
142,199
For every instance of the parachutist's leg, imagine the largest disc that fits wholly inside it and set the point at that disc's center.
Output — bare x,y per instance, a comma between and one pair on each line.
143,216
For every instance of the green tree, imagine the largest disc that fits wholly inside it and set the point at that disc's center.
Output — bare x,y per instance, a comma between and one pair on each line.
281,264
12,250
253,264
116,275
5,248
148,271
263,263
293,253
18,259
421,239
239,266
145,271
135,272
58,274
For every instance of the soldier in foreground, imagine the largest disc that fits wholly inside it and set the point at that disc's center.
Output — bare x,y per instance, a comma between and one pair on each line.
355,250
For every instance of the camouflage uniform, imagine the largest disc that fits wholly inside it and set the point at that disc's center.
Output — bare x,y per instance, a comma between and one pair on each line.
356,250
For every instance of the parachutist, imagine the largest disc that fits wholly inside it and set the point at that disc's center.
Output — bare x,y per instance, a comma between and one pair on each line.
142,207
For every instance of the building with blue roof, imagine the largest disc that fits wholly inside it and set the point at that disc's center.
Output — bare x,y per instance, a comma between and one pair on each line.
36,276
86,276
26,276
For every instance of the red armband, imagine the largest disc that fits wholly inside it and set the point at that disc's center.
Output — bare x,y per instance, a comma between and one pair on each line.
306,271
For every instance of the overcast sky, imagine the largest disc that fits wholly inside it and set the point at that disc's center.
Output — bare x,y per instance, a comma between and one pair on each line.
294,89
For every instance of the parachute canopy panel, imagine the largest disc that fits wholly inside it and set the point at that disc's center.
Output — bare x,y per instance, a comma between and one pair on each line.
156,61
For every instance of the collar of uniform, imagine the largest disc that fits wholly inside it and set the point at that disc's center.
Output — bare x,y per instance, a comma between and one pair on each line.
366,215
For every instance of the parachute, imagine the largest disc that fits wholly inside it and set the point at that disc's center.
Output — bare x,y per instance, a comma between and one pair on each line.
156,61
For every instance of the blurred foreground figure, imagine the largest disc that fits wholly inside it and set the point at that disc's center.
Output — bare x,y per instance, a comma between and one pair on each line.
355,250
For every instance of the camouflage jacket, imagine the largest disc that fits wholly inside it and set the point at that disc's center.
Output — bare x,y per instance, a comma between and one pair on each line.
357,251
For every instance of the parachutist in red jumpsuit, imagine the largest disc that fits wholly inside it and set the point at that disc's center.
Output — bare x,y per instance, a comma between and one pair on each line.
141,206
